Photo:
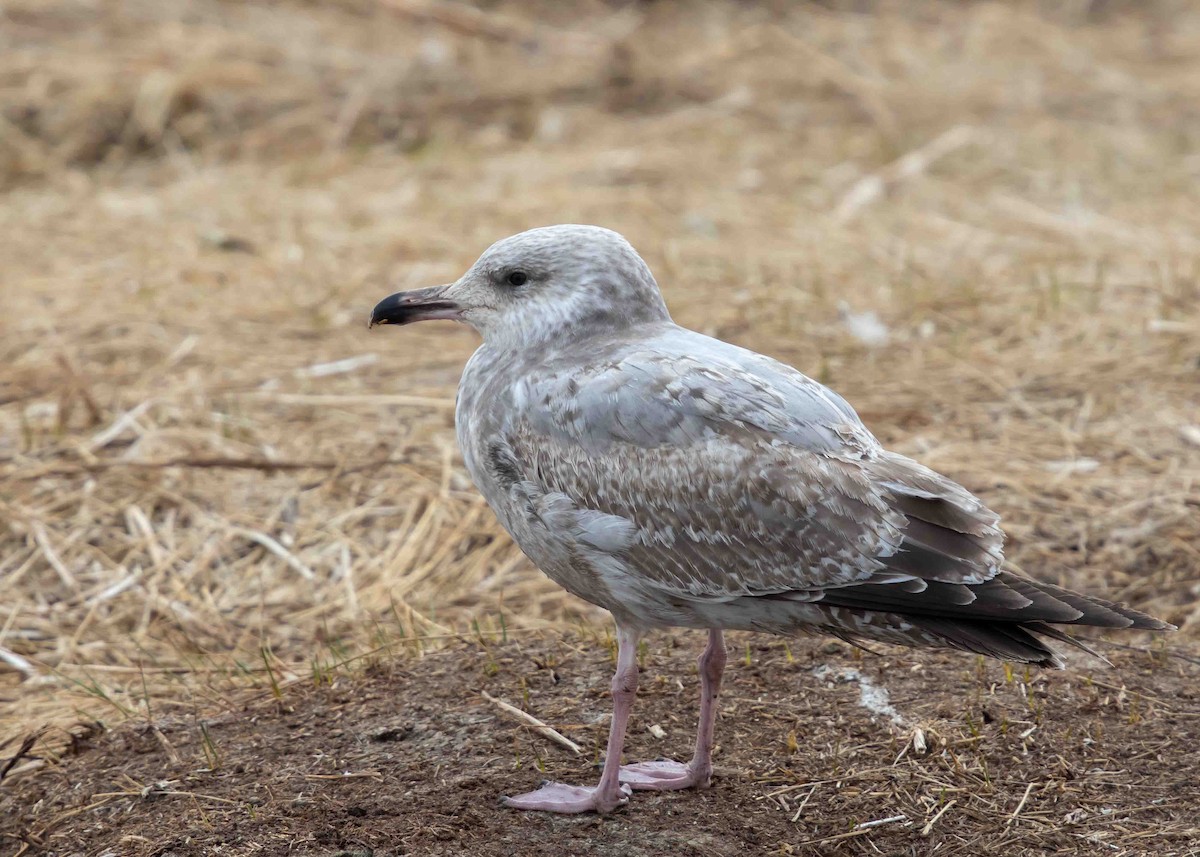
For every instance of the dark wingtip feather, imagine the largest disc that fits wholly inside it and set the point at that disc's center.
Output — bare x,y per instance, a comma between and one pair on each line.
1098,612
1063,637
1016,641
1144,622
1007,641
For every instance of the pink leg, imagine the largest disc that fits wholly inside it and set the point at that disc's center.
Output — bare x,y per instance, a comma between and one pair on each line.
666,775
610,793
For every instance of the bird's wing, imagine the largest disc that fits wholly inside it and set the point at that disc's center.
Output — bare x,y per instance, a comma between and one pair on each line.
740,476
712,474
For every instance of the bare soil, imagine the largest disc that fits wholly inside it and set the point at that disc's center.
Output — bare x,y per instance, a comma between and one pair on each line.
407,757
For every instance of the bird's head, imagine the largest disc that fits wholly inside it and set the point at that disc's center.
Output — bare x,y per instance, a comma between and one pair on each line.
553,283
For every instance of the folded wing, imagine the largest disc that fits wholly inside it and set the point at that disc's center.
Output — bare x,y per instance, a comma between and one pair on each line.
743,479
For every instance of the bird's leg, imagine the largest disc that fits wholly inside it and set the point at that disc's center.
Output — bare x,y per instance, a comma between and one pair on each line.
667,775
712,667
610,793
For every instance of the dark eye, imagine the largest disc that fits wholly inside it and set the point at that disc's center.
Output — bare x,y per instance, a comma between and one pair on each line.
517,278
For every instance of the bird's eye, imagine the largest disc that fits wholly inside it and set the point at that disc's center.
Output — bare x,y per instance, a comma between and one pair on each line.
517,278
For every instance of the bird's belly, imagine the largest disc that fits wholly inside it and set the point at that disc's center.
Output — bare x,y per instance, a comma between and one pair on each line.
555,556
605,580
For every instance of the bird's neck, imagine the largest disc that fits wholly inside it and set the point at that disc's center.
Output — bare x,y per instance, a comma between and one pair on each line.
539,345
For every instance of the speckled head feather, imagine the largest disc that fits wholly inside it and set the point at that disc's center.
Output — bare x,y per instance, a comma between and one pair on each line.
555,283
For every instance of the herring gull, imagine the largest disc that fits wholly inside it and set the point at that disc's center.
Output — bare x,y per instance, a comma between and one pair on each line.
679,481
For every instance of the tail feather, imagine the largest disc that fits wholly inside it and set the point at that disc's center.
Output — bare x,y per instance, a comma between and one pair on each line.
1021,640
1007,619
1006,641
1005,598
952,549
1098,612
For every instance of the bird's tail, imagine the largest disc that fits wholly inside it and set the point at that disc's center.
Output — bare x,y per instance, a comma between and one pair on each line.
1022,641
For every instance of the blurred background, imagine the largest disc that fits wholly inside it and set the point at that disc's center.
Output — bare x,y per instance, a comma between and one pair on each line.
978,221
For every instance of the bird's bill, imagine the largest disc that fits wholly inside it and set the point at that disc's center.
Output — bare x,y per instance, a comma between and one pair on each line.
415,305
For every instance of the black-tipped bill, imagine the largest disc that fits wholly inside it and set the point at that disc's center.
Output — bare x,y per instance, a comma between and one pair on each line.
416,305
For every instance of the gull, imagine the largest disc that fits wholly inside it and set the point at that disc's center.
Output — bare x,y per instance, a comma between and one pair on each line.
677,480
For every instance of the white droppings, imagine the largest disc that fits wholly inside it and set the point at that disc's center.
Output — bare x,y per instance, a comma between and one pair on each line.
870,695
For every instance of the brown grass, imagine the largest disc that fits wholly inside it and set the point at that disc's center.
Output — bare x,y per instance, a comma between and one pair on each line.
202,200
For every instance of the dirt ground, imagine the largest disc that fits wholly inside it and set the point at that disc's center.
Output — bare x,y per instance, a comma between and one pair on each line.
407,757
976,220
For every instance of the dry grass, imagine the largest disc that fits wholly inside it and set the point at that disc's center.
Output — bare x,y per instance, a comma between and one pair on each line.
212,471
